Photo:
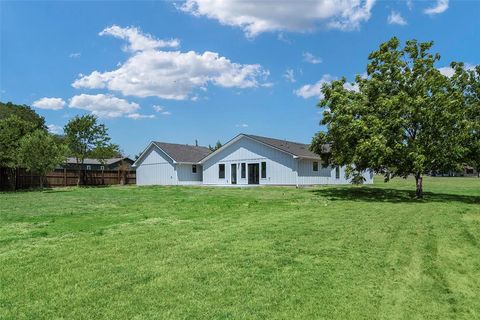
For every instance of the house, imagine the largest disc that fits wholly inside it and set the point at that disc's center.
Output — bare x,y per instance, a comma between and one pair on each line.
97,165
244,160
170,164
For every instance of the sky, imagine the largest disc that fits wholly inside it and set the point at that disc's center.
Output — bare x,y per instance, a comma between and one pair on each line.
207,70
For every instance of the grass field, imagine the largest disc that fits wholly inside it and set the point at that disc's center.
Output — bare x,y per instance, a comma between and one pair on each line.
259,253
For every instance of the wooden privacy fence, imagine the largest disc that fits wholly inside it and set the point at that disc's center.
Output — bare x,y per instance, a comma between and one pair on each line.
66,177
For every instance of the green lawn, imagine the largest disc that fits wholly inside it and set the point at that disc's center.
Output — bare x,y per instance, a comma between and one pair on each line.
259,253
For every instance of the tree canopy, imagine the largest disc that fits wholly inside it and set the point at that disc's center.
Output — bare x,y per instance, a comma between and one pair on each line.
40,152
87,138
406,118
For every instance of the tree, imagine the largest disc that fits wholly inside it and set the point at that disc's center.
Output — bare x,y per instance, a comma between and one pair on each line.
12,129
86,138
406,118
39,152
23,112
467,85
217,146
15,122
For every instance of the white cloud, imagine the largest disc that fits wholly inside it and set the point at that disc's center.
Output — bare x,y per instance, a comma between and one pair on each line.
104,105
448,71
75,55
241,125
439,7
255,17
138,41
315,90
171,74
49,103
157,108
53,128
310,58
351,86
396,18
289,75
137,116
161,110
410,4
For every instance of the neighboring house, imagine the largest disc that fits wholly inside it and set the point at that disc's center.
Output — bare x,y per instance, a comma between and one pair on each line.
244,160
170,164
97,165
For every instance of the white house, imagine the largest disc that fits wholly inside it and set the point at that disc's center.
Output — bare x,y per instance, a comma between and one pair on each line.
244,160
170,164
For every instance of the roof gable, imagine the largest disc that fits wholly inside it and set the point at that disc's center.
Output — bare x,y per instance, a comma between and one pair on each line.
295,149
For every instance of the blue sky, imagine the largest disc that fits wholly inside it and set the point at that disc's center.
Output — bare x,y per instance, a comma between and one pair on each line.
207,70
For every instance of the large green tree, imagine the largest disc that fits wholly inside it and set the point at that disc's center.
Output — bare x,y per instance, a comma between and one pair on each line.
466,85
40,152
12,130
23,112
88,138
406,118
15,122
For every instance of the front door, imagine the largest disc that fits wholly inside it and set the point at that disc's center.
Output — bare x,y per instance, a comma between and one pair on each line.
234,173
253,173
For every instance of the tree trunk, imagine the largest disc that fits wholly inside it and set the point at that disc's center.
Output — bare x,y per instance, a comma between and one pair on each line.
41,182
419,184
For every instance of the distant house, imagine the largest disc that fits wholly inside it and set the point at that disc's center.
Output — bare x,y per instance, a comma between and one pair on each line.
244,160
96,165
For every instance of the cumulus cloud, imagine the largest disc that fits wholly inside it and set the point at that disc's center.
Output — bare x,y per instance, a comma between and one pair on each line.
256,17
439,7
138,41
137,116
173,74
53,128
49,103
396,18
75,55
104,105
315,90
241,125
289,75
448,71
310,58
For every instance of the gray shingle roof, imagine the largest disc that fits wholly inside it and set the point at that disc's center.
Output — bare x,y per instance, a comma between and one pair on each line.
298,149
183,152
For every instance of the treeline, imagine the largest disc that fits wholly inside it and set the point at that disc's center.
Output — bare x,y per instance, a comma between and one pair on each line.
26,143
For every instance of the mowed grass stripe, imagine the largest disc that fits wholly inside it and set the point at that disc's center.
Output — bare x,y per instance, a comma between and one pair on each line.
194,252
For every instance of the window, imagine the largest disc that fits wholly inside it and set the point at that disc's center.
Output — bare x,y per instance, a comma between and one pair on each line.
337,172
264,170
89,168
244,170
315,166
221,171
102,168
194,168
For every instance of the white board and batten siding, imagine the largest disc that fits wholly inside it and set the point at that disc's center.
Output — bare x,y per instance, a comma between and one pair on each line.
280,165
186,176
324,175
157,168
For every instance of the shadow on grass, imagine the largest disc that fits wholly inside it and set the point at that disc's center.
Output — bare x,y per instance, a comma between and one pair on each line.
372,194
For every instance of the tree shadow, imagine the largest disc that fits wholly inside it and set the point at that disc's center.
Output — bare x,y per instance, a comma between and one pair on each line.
389,195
